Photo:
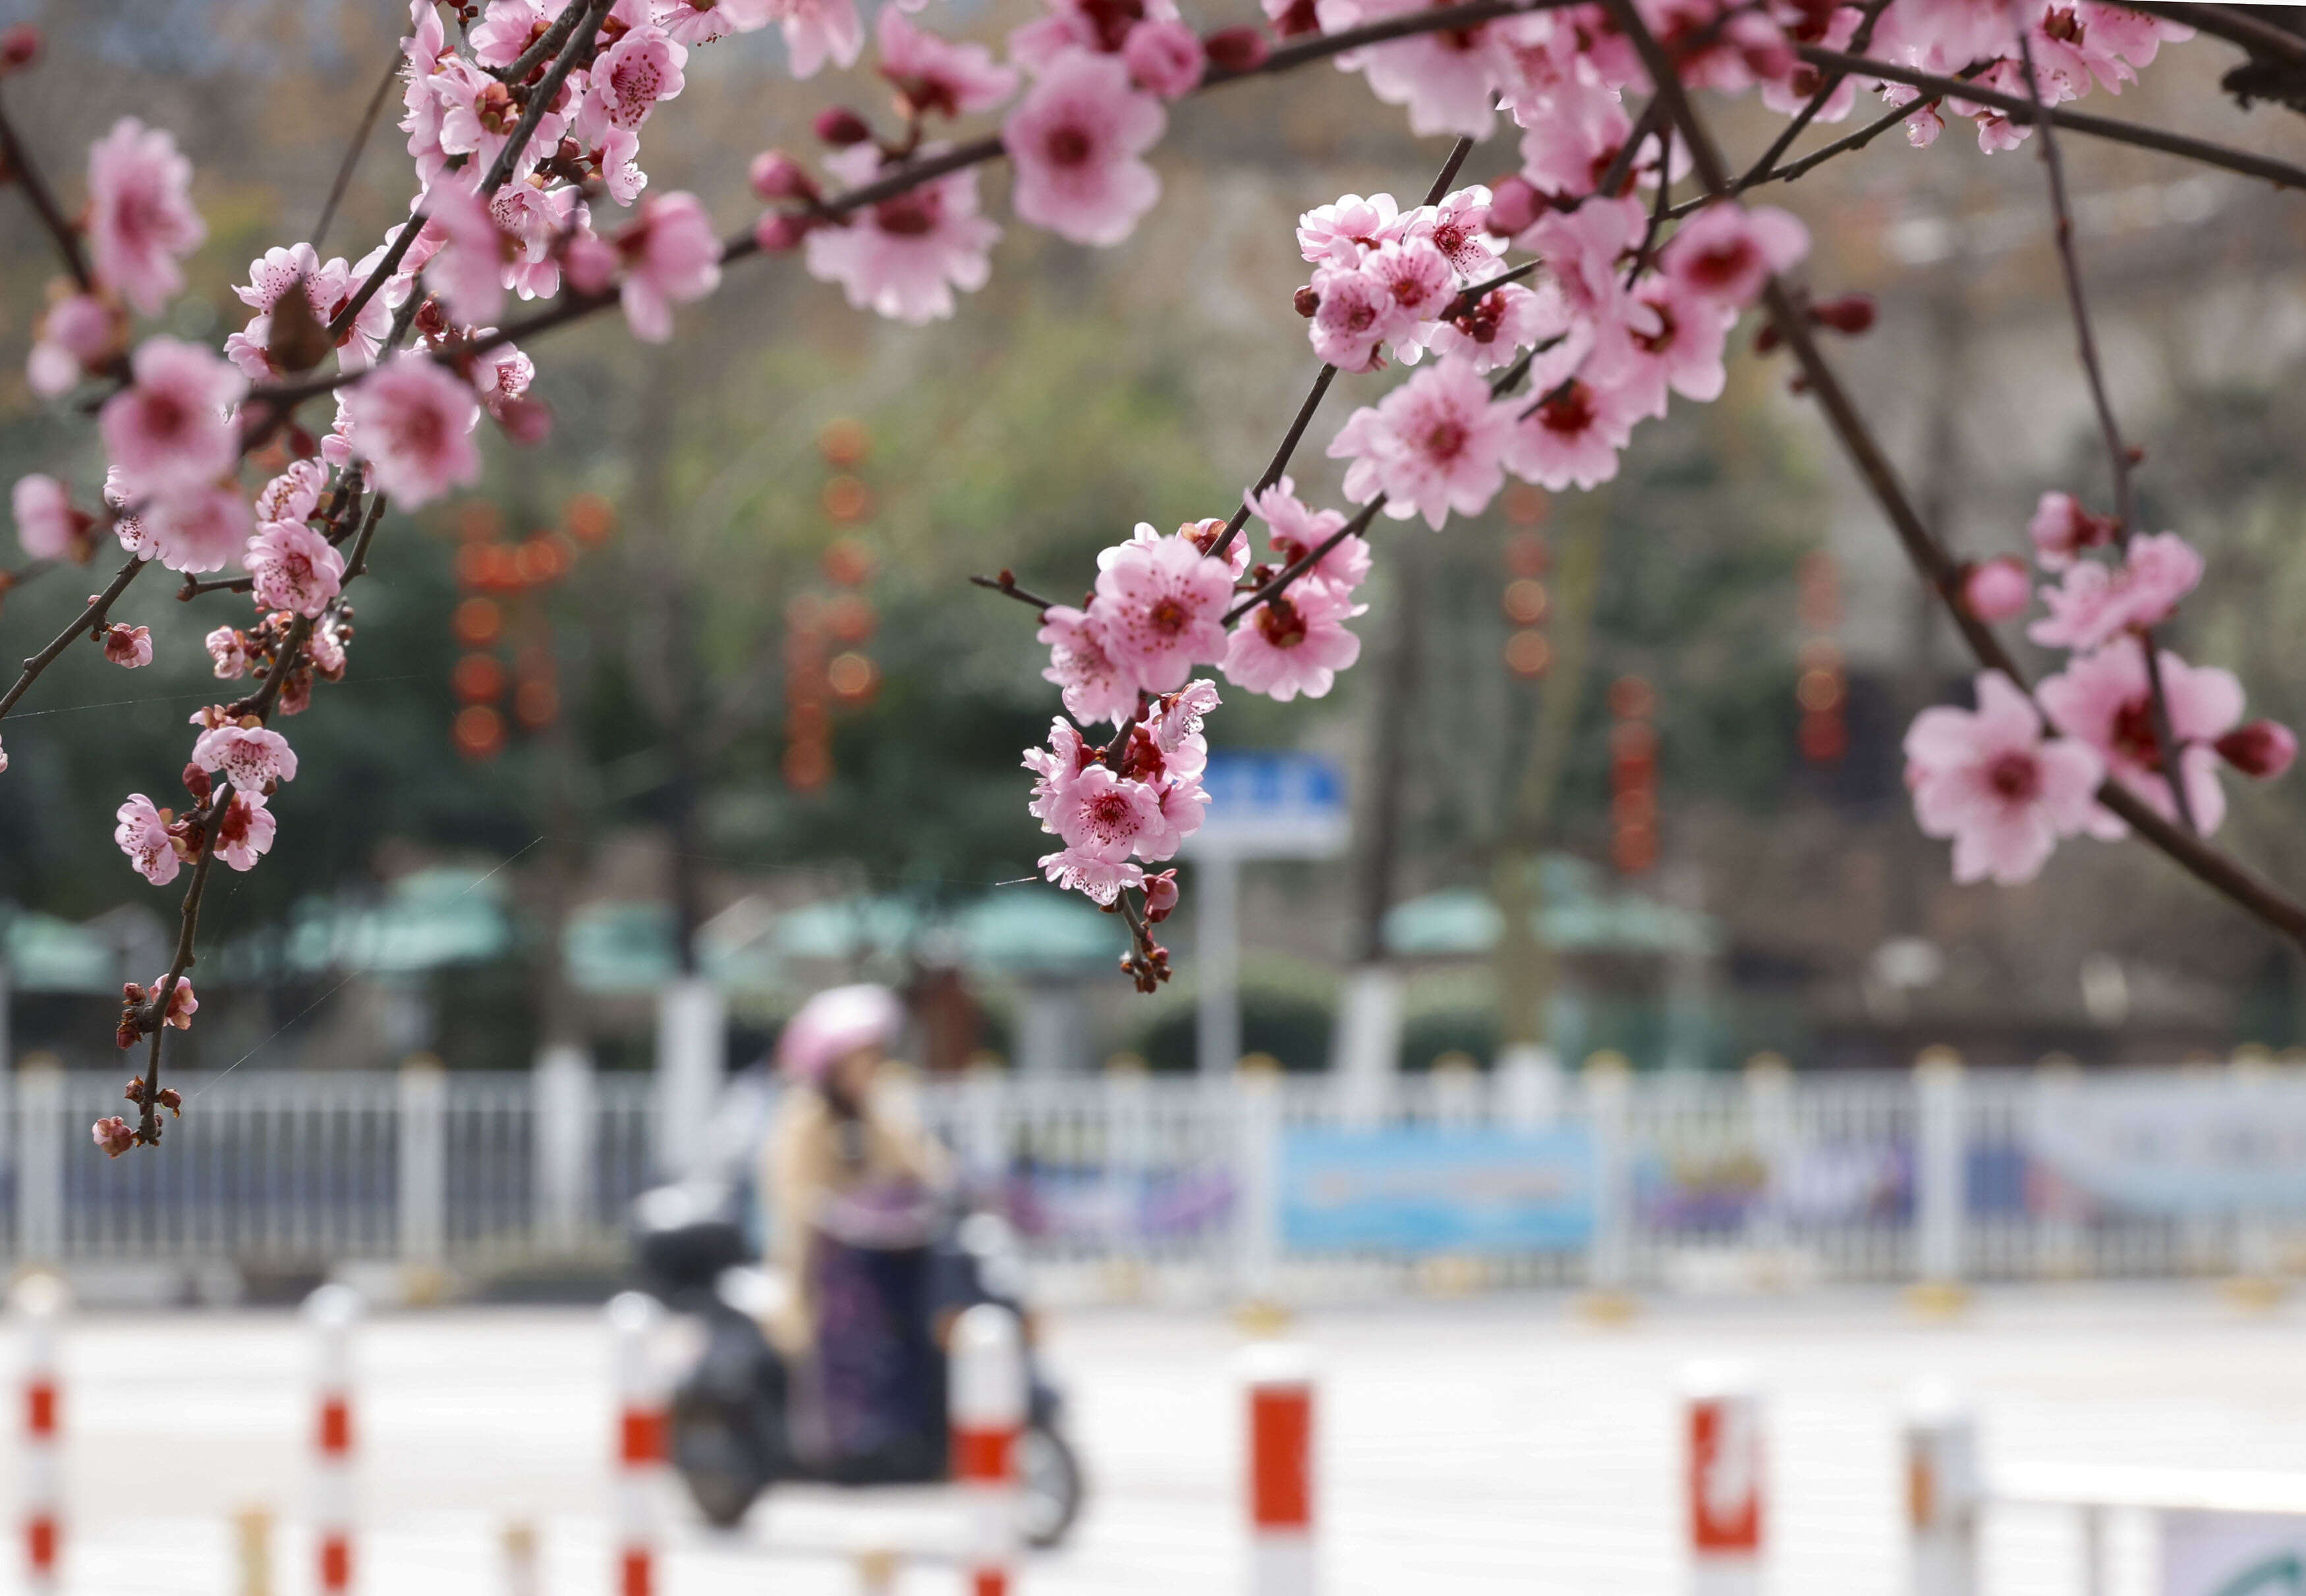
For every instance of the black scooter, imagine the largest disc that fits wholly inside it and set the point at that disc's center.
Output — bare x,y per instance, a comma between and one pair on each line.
731,1435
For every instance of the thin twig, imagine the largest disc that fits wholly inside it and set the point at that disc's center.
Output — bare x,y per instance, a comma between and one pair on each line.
86,622
1759,171
2019,109
2236,881
578,48
188,920
351,162
1006,584
2117,449
27,176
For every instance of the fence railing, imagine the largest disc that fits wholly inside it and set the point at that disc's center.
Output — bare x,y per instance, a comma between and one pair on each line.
1935,1173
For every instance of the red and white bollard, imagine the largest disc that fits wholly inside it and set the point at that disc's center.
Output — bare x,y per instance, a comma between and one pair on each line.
39,1301
640,1442
1725,1483
331,1311
1942,1494
988,1406
1279,1378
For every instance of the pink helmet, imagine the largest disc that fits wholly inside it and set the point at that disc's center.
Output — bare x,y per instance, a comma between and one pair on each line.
833,1024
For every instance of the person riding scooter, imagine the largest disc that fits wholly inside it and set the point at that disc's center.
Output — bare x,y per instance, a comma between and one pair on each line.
854,1187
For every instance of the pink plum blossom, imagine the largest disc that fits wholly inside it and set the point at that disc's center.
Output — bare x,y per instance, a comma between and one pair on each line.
77,335
1725,251
328,287
169,431
670,257
819,30
1100,879
1095,685
140,220
2105,699
1677,344
293,495
1414,276
903,257
227,649
507,28
128,646
296,568
199,529
413,422
1458,226
1989,780
1447,81
1160,607
1105,814
1075,138
936,75
251,756
143,834
1354,316
1296,642
1160,896
1494,330
469,270
1165,58
2062,529
1341,234
1997,590
1296,529
627,79
1435,444
701,21
245,832
114,1135
183,1004
46,524
2094,602
1572,440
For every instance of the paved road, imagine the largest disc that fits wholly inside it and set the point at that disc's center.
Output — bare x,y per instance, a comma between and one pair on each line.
1478,1447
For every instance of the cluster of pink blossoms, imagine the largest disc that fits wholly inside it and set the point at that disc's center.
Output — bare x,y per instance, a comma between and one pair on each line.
1995,780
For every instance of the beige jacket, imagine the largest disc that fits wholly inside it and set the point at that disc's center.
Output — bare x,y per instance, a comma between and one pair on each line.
802,1166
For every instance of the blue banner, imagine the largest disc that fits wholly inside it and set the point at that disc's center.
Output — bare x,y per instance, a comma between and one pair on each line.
1436,1189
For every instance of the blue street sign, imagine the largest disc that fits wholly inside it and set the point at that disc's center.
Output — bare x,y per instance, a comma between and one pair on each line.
1273,804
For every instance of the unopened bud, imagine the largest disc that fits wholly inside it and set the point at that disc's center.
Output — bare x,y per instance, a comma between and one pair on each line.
19,47
1308,303
173,1101
776,176
1852,313
779,231
114,1136
1514,205
841,127
527,421
2262,748
1237,50
1997,590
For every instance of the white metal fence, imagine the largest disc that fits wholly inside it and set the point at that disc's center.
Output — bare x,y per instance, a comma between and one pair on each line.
1934,1173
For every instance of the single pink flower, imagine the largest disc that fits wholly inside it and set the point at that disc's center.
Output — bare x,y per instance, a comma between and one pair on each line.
1990,781
1458,226
328,287
1086,871
227,649
701,21
1160,896
469,270
1447,81
251,757
627,79
1160,609
143,834
1076,138
141,219
2103,698
1094,684
78,334
936,75
1054,769
46,524
170,431
2262,750
113,1135
1997,589
1165,58
294,494
2093,602
412,420
1725,251
1296,642
507,28
1341,234
1295,529
296,568
1104,816
1414,276
1354,315
670,257
245,832
904,257
1572,440
1177,724
128,646
201,529
2062,529
819,30
181,1003
1493,331
1671,339
1435,444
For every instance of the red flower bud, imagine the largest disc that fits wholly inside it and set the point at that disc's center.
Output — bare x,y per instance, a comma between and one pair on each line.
19,47
1515,204
779,231
1237,50
1852,313
197,783
841,127
525,420
776,176
173,1101
114,1136
1308,303
2262,748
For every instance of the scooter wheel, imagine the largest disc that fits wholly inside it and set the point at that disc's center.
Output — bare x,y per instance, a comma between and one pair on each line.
1051,1475
718,1471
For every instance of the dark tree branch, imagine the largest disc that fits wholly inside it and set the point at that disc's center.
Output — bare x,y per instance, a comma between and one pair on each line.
84,624
18,161
351,162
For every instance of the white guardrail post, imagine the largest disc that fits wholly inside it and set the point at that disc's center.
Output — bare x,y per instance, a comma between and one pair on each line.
641,1443
1726,1480
1943,1495
1608,1081
1941,1198
39,1301
1279,1375
988,1410
420,1193
331,1311
562,1101
1257,1176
